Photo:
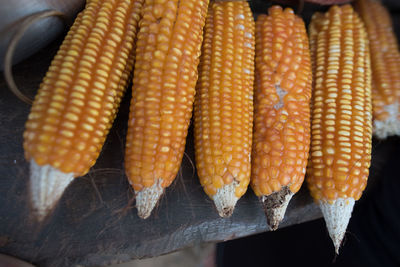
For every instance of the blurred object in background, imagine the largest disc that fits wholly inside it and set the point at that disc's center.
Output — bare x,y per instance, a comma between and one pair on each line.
40,33
329,2
321,2
8,261
198,256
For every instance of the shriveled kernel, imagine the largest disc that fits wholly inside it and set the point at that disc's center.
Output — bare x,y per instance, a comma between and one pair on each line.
281,124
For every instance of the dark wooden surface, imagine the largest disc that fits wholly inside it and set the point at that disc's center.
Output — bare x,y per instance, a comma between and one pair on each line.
95,222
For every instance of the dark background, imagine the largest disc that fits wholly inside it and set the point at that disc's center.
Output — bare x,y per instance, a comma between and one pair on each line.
372,238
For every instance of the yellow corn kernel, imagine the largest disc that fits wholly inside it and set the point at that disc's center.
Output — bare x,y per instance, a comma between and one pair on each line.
165,74
72,100
283,102
224,99
385,64
339,48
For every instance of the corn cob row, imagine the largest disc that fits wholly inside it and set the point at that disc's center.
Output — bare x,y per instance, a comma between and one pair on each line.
341,125
281,111
224,104
385,63
168,51
78,98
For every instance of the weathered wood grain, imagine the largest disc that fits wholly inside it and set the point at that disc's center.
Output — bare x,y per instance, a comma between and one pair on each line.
93,223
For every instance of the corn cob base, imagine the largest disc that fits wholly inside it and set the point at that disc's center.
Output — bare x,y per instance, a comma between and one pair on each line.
390,126
275,206
225,199
47,184
147,198
337,216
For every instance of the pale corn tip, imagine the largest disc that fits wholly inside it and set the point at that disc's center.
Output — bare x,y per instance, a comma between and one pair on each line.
391,125
147,198
225,199
337,217
47,184
275,206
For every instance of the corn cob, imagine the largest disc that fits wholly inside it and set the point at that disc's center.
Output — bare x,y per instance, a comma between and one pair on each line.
281,137
78,98
165,74
341,125
385,63
224,104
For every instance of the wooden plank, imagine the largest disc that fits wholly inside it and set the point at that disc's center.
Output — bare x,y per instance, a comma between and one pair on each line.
94,223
